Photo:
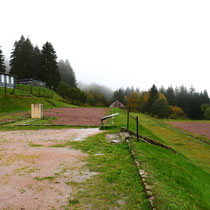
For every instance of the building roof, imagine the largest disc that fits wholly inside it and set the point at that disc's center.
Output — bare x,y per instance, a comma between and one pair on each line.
117,104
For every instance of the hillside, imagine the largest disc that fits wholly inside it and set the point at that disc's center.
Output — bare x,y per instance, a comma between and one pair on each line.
22,99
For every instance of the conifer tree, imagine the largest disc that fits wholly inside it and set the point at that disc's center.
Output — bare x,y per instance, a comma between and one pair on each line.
153,96
21,59
49,66
37,57
2,63
67,73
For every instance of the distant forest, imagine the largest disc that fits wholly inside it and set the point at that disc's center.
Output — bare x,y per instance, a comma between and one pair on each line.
28,61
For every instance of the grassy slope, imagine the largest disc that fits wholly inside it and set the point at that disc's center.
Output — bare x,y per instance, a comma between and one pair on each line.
38,92
180,181
18,103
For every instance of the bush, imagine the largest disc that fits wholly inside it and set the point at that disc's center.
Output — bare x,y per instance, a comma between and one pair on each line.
207,114
176,113
161,108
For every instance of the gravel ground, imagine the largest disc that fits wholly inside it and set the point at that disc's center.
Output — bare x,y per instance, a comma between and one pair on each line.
194,127
76,116
34,175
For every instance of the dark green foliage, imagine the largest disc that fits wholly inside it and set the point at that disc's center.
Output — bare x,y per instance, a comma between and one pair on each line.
49,70
2,63
204,107
170,95
153,96
21,59
207,114
160,108
189,100
37,57
74,95
67,73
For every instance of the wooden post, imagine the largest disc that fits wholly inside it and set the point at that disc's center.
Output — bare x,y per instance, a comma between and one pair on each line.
137,127
128,120
5,88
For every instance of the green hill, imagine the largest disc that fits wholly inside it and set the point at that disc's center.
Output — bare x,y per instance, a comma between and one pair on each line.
21,99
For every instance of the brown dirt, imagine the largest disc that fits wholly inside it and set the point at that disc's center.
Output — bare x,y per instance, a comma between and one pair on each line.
194,127
40,177
76,116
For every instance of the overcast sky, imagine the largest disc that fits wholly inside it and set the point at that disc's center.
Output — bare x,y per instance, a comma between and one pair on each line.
118,43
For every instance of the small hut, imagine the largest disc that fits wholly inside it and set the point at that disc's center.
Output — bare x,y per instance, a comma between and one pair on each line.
117,104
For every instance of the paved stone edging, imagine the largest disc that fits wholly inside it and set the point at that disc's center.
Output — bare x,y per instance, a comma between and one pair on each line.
142,173
148,140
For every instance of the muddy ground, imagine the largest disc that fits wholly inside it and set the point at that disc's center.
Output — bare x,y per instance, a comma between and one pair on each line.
194,127
76,116
34,174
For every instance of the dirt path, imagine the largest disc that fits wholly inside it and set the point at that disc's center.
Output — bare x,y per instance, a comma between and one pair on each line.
194,127
76,116
35,175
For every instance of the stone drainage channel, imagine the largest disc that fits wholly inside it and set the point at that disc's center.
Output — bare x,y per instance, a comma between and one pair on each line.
114,139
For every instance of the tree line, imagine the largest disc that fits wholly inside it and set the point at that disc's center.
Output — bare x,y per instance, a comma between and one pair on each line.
29,62
168,102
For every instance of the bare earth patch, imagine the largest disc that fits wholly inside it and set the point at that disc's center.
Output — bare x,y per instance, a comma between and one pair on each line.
194,127
36,176
76,116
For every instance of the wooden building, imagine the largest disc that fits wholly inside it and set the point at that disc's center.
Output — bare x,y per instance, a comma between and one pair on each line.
117,104
31,82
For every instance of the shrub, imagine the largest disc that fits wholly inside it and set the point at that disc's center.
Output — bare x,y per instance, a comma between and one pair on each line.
207,114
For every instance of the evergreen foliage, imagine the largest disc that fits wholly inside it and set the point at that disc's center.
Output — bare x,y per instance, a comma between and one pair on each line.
207,114
160,108
49,66
37,58
67,73
2,63
153,96
21,59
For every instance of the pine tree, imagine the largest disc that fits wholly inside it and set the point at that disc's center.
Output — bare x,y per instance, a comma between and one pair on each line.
21,59
67,73
37,57
49,66
153,96
2,63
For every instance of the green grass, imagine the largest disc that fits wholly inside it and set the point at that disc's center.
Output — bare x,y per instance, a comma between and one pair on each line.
180,181
10,92
117,180
11,104
38,91
177,182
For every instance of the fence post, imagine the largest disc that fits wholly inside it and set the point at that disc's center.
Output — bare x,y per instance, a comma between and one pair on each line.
128,120
5,88
137,127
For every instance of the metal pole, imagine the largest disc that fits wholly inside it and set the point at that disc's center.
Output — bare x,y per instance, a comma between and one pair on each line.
137,128
128,120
